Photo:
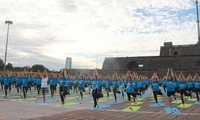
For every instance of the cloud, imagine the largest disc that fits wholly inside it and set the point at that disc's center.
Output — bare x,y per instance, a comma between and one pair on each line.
47,32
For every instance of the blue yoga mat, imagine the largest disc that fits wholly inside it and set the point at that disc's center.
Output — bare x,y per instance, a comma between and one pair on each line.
197,103
114,103
173,111
145,95
102,106
13,97
158,104
46,102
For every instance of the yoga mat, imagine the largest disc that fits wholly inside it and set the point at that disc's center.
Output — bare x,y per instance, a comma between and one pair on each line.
173,111
100,107
68,104
114,103
145,95
131,109
73,97
27,99
159,100
48,95
158,97
14,97
46,102
197,103
105,98
135,103
91,101
56,94
33,92
139,99
87,99
193,99
157,105
185,105
177,101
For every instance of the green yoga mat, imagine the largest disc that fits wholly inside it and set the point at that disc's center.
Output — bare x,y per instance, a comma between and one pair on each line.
72,97
177,101
131,109
100,100
193,100
105,98
68,104
185,105
159,97
27,99
33,92
139,99
135,104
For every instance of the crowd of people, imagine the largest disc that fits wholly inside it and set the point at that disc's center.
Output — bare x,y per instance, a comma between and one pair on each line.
134,85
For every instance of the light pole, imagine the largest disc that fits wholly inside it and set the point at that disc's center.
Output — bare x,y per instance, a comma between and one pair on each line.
198,21
9,23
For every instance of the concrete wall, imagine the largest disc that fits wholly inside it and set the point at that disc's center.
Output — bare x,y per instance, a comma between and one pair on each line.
153,62
170,50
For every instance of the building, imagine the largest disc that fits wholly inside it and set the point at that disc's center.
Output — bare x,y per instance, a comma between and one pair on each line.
68,63
184,58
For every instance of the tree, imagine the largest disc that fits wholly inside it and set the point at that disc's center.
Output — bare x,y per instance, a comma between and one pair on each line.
39,67
1,64
9,66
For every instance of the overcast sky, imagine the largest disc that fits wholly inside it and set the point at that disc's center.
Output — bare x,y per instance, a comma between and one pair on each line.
47,31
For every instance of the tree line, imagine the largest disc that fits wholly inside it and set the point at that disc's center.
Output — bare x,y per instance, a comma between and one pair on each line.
34,68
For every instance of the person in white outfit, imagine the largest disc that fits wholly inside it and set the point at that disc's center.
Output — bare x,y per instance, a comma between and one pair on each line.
44,85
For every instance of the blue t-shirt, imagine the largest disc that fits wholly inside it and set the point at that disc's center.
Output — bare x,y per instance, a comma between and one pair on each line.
182,85
170,86
25,82
67,84
19,81
7,81
197,85
38,81
190,84
155,86
130,88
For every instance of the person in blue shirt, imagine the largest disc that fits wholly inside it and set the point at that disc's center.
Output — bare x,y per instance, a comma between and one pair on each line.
107,88
121,88
52,83
96,93
182,90
30,82
38,84
89,85
197,87
7,83
75,86
24,86
156,87
61,82
190,86
131,92
18,83
115,87
170,88
1,80
81,87
67,86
